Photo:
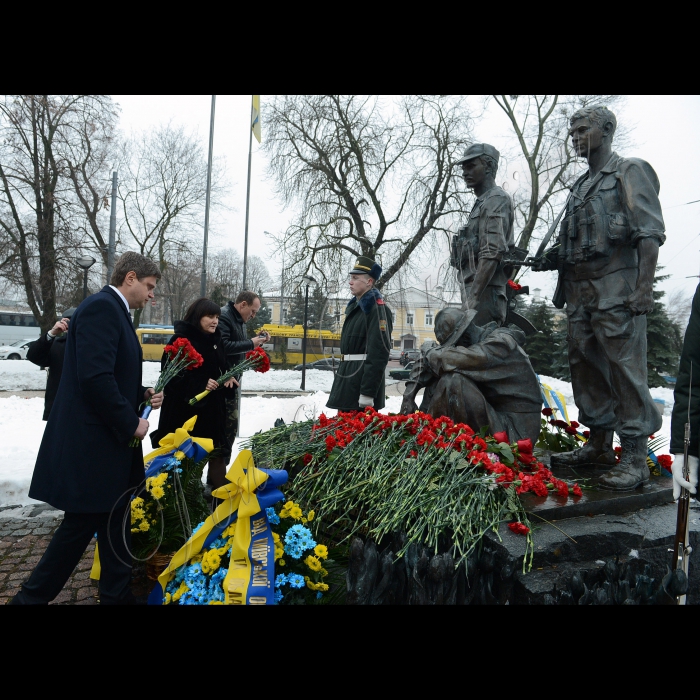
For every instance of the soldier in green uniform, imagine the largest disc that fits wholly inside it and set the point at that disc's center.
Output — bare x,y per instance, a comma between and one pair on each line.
365,342
478,249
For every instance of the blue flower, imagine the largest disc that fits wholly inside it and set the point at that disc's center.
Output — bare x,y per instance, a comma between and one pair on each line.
280,580
272,516
298,539
278,595
319,595
296,581
197,528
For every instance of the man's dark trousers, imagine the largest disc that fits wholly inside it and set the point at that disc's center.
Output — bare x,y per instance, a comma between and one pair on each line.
67,547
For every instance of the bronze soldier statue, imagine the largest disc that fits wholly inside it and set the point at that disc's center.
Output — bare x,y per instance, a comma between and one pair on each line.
606,256
478,249
477,375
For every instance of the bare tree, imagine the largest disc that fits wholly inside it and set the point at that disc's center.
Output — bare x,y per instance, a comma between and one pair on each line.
369,176
162,189
678,307
39,237
540,125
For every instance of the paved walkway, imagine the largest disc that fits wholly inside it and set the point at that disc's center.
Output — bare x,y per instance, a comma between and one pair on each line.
24,535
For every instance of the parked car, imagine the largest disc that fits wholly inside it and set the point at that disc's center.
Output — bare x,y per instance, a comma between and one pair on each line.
327,363
394,354
409,356
402,373
17,350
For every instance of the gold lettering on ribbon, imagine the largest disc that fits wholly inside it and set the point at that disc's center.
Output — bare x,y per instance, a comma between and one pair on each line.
235,591
259,553
239,564
257,600
259,526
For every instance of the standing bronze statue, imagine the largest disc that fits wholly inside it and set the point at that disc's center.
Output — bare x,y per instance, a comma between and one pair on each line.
478,249
606,256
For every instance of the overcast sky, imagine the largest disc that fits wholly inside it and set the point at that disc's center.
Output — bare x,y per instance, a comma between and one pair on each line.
665,134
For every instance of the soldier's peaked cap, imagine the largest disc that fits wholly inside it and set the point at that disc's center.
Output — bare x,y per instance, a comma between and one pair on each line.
479,149
367,266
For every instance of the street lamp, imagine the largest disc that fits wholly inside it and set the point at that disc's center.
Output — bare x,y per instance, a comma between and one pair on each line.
86,262
309,280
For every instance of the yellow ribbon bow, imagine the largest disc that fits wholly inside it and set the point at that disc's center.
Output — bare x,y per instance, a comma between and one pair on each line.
172,441
239,496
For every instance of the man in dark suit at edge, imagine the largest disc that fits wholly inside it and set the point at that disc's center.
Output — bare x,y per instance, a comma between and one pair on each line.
85,466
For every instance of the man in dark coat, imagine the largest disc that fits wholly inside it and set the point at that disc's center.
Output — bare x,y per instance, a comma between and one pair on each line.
365,342
48,351
232,324
479,376
685,410
85,465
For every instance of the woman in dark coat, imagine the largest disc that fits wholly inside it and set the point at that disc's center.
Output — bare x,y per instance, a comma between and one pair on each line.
199,327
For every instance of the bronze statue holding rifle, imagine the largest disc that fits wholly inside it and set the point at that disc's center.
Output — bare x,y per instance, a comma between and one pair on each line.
606,256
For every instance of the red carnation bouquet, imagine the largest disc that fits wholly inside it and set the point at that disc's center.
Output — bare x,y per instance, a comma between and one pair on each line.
254,359
181,356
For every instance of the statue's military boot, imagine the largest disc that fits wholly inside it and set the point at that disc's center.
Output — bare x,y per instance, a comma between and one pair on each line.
597,452
632,471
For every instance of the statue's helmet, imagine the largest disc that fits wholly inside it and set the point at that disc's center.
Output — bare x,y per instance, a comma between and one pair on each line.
451,324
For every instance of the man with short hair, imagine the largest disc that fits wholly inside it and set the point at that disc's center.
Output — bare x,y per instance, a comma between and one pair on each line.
86,466
48,351
478,249
365,342
606,256
232,324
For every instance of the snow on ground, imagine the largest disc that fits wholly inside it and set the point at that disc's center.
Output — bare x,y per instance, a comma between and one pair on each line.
22,428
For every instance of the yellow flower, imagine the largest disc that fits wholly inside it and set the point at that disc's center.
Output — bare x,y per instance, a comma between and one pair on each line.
144,526
215,602
320,550
179,455
137,502
211,561
296,512
178,593
324,573
313,563
284,513
157,492
304,521
322,587
288,505
168,598
282,562
279,553
275,537
134,529
310,515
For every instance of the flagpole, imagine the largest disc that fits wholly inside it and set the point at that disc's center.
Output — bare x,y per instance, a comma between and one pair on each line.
247,196
203,284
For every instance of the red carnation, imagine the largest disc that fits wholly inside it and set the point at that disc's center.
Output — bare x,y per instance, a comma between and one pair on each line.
518,528
665,461
501,437
514,285
547,411
307,458
577,490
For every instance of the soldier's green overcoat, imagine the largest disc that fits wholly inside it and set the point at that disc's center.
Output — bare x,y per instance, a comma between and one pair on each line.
366,331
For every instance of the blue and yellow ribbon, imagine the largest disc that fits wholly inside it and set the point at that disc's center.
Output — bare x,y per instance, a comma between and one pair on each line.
180,445
251,572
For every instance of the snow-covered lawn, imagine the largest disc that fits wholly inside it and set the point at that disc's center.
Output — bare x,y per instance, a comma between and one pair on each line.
22,428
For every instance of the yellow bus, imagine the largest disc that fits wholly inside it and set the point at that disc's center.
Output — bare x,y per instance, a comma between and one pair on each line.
285,344
153,339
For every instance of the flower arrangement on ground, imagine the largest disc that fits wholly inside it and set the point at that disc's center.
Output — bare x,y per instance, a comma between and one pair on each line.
558,435
433,479
231,557
299,557
254,359
181,356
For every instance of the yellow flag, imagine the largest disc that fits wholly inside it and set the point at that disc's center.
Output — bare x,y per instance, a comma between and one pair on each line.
255,118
